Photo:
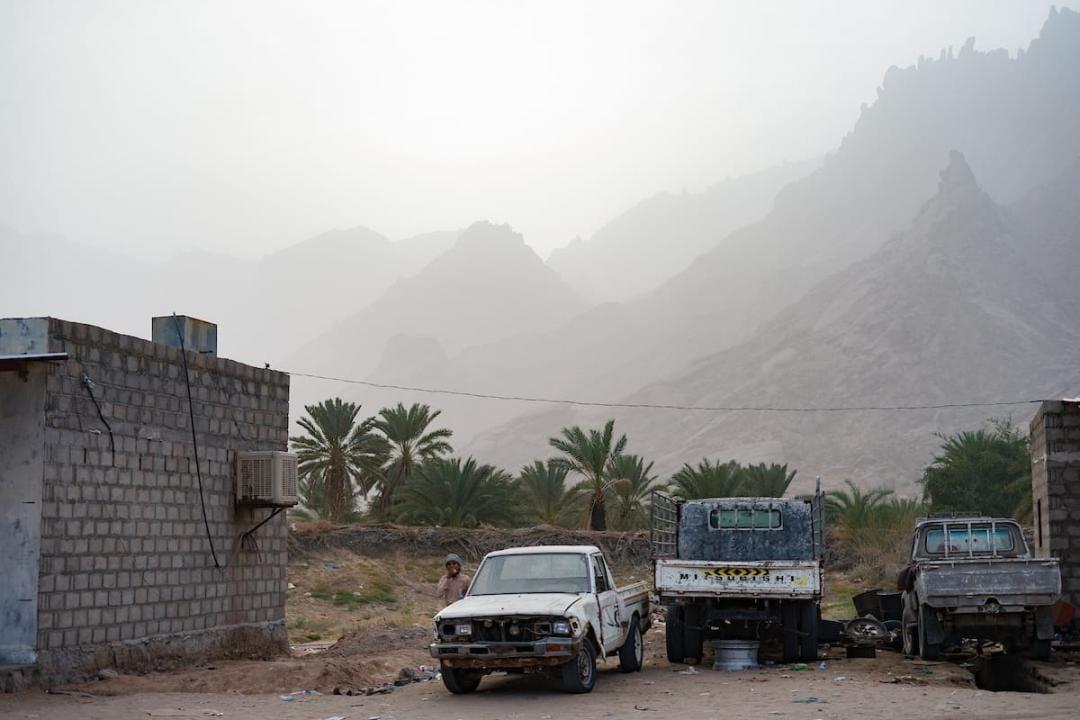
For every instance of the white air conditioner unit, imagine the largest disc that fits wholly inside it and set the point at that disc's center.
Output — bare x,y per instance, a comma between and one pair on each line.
266,479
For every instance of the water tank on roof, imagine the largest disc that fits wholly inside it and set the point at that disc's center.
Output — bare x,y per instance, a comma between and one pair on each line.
199,336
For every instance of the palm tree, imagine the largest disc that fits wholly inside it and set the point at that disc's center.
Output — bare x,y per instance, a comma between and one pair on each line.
544,496
768,480
411,445
871,529
338,457
854,509
708,480
901,513
987,470
630,481
590,455
456,493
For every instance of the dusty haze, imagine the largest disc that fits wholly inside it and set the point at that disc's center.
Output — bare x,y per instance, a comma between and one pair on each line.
715,204
244,127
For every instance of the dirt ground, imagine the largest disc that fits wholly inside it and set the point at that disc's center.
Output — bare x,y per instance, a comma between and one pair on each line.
888,686
356,620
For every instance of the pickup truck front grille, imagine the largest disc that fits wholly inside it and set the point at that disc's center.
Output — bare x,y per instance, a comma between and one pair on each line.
507,629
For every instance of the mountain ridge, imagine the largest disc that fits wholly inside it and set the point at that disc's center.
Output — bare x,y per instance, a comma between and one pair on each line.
925,320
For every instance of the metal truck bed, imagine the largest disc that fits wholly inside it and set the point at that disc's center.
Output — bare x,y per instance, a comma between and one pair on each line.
1027,582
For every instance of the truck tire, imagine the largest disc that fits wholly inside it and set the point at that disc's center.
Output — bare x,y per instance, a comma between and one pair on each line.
693,633
579,674
909,630
460,681
789,627
632,652
673,629
927,650
808,626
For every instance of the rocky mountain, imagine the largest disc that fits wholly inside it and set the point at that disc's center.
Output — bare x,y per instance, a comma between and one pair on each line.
652,241
264,307
973,302
315,284
489,286
1012,116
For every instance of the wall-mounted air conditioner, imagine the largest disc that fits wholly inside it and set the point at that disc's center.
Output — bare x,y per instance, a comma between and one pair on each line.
266,479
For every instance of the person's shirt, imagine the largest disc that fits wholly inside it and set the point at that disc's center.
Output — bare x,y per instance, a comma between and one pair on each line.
452,589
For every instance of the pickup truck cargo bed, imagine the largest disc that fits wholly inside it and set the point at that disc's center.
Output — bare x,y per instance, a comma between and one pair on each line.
1008,581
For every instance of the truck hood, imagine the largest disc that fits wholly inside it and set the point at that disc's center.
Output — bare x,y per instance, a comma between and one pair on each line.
528,604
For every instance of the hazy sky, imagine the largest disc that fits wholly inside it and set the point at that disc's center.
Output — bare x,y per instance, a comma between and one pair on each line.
155,127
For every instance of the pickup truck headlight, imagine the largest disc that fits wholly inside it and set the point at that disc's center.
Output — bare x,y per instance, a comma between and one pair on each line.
463,629
560,627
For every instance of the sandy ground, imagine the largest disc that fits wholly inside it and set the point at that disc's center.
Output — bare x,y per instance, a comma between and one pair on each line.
383,608
889,686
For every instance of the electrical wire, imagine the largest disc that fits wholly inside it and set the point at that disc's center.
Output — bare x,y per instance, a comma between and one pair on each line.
667,406
195,442
89,385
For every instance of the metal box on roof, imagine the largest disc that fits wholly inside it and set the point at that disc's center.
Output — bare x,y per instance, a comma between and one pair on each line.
199,335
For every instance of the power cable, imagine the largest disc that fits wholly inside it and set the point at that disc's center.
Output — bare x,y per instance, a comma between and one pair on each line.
666,406
89,385
195,441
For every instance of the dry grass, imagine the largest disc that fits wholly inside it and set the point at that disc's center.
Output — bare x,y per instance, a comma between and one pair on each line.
385,577
336,592
878,555
839,589
471,544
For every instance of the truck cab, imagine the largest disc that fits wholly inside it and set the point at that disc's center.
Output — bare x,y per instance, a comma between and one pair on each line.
739,569
972,576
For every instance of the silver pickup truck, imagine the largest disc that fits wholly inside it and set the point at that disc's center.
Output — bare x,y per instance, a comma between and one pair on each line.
548,609
974,577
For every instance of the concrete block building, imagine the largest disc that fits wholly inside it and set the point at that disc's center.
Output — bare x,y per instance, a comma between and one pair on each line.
1055,486
107,557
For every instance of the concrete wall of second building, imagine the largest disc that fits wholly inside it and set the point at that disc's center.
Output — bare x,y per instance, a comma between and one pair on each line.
22,449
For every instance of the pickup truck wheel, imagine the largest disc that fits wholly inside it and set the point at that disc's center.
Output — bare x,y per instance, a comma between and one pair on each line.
632,653
808,626
909,631
927,650
460,681
579,674
789,626
910,636
673,629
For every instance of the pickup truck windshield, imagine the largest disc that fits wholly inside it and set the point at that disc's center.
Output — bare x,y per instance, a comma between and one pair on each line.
532,573
965,539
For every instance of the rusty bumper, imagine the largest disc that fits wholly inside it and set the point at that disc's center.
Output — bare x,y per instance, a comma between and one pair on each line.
549,652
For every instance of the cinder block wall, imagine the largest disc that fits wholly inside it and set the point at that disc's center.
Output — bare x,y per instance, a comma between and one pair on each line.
126,574
1055,486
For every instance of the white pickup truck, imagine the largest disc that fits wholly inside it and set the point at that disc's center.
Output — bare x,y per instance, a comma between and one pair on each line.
551,609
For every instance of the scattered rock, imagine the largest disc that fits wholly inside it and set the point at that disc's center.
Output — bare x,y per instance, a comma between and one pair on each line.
405,676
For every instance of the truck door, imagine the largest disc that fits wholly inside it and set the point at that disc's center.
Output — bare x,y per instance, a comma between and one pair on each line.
610,605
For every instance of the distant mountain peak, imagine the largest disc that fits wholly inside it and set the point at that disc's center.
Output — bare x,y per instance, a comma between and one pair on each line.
957,176
959,203
484,235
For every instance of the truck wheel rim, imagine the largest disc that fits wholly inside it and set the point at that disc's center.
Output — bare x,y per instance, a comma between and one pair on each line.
638,650
584,667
